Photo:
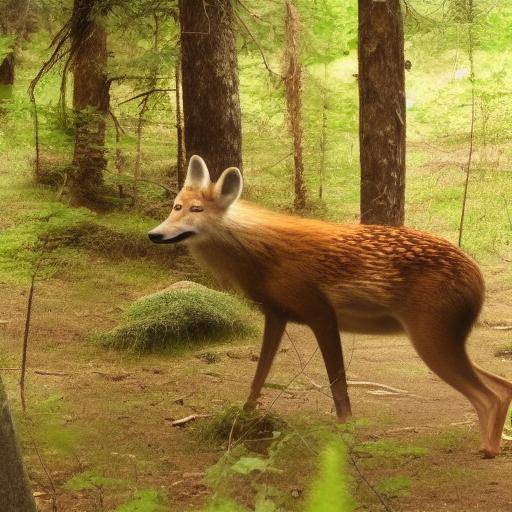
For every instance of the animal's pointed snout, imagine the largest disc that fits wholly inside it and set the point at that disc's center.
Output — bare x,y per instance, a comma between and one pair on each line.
155,237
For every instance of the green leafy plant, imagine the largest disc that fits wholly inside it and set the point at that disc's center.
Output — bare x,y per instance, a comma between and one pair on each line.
145,501
329,489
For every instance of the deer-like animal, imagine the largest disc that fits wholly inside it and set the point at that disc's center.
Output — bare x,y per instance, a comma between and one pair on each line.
357,278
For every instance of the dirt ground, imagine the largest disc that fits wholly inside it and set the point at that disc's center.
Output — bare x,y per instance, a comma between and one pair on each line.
118,408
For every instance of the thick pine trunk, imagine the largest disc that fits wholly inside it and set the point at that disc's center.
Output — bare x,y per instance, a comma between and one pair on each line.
211,105
381,112
15,493
293,84
90,103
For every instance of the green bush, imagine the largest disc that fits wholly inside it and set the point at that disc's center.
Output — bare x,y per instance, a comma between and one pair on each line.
180,317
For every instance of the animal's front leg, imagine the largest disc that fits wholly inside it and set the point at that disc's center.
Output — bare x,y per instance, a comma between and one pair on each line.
274,328
327,333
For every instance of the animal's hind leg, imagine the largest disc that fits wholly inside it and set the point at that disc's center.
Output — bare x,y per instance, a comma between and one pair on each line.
445,354
502,387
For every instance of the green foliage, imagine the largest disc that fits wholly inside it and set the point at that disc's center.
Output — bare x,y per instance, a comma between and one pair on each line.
394,486
329,490
145,501
50,429
387,453
180,318
91,480
6,42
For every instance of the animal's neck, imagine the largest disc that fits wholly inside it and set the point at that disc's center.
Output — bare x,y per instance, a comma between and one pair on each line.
238,251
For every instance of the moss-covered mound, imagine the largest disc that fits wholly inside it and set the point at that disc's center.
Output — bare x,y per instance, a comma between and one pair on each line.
181,316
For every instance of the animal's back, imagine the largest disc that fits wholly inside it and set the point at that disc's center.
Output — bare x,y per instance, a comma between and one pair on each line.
364,270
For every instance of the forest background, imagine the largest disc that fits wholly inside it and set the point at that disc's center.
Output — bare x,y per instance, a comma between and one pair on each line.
95,260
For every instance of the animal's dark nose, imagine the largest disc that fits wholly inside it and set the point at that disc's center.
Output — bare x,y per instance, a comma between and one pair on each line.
155,237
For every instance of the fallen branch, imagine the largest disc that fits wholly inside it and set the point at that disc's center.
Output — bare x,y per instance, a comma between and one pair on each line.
368,384
187,419
53,374
360,383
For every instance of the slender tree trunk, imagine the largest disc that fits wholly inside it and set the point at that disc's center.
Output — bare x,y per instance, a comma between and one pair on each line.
211,104
381,112
90,102
292,80
15,493
180,158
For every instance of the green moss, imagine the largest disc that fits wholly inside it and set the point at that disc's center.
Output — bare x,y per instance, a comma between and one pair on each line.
179,318
395,486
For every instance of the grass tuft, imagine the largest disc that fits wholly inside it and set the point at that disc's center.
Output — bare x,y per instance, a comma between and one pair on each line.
236,424
180,317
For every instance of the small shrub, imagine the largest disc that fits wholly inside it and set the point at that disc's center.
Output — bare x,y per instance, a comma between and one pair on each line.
234,424
179,318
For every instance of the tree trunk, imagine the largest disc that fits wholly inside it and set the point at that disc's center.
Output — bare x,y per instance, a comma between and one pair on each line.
15,493
7,76
211,105
292,80
381,112
90,102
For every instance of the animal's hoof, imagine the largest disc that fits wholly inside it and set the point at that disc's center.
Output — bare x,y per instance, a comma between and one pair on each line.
344,418
250,405
487,453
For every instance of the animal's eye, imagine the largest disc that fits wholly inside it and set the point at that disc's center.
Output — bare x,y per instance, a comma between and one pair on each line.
178,207
196,208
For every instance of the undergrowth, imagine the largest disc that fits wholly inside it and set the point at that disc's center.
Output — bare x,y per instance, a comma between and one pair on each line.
327,491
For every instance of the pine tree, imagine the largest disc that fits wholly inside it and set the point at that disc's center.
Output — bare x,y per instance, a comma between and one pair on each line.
381,112
211,104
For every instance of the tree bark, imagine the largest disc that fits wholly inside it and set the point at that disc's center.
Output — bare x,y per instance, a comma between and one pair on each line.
381,112
211,104
15,493
293,85
90,102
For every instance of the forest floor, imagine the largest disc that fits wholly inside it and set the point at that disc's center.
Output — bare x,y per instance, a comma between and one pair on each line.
98,425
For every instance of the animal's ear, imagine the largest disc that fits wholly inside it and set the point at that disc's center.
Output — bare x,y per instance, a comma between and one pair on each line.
228,187
197,174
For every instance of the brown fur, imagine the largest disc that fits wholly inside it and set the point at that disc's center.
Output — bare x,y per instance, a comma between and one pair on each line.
357,278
